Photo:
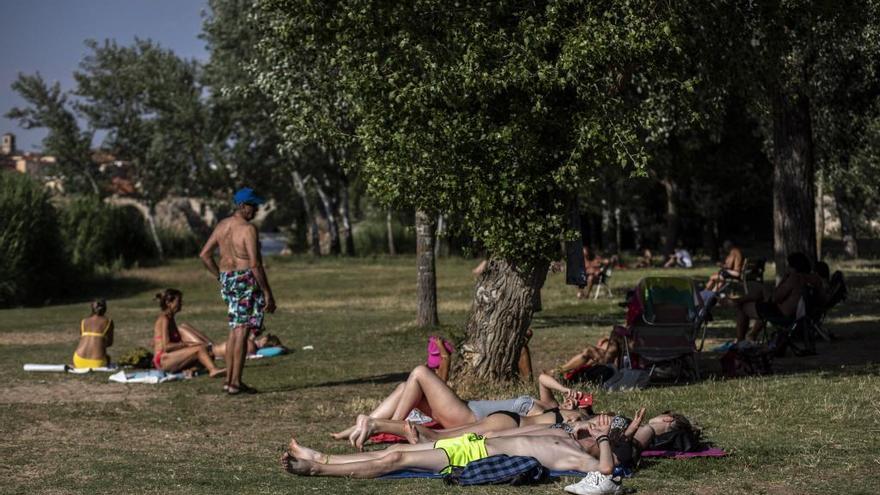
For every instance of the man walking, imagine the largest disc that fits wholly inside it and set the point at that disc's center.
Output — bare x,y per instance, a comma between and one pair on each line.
243,283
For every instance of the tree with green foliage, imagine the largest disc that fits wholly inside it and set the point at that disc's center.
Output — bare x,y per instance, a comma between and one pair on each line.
493,112
48,109
34,266
149,101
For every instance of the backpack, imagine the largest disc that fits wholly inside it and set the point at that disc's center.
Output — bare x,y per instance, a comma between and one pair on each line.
497,470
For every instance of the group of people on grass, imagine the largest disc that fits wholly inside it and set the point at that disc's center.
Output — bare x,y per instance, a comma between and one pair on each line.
244,288
563,436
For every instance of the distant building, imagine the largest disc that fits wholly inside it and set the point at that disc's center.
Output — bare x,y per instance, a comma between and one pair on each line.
33,164
7,146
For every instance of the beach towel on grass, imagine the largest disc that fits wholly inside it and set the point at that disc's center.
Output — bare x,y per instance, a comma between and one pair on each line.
677,454
64,368
152,377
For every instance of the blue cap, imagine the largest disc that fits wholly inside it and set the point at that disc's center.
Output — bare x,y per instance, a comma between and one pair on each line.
247,195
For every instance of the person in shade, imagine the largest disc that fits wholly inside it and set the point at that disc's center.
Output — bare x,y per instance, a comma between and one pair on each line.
244,286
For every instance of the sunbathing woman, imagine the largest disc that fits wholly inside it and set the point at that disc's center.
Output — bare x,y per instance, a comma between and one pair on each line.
171,353
95,336
192,335
431,395
496,421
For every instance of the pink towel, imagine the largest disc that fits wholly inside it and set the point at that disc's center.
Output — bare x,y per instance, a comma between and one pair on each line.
710,452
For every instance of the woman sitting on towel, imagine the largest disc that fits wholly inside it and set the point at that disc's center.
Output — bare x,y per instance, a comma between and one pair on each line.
95,336
171,352
427,392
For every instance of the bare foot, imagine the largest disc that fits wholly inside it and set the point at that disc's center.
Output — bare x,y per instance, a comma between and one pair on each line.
364,430
411,433
217,372
339,435
295,466
305,453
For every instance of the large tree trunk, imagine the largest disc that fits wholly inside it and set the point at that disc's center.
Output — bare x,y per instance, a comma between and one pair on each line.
300,185
329,212
345,214
671,188
847,225
392,249
504,299
794,219
426,291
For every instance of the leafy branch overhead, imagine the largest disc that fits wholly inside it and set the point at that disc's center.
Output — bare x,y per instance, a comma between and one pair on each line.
495,112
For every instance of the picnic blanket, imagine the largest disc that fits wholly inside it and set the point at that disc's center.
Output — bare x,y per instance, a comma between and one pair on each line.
675,454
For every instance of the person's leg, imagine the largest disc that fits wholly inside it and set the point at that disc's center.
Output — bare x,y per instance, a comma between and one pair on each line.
207,361
525,358
446,407
493,422
579,359
190,334
306,453
235,350
384,410
179,359
430,460
591,278
744,312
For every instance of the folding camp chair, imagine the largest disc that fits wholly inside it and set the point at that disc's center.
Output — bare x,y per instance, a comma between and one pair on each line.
602,281
666,332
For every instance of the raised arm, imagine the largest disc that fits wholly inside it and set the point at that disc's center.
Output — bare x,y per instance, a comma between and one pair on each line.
253,252
546,385
207,254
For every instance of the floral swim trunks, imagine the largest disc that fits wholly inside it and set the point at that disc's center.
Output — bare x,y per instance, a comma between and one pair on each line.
244,299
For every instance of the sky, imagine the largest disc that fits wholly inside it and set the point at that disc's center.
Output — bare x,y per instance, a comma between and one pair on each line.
47,36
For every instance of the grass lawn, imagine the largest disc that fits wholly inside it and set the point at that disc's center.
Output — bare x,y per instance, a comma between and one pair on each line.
813,427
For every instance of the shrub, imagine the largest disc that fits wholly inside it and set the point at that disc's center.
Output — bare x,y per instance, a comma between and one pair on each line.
34,263
371,237
101,235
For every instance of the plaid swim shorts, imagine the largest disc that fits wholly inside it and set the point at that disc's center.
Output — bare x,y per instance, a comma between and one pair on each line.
244,299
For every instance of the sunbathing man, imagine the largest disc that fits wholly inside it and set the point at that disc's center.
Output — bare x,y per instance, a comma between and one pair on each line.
730,269
554,452
243,283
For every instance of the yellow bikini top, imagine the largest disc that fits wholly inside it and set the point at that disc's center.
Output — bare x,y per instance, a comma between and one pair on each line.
82,329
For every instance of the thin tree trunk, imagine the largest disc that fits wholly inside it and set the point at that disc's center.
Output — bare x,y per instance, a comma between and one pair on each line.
426,288
606,226
330,214
637,231
847,225
300,185
671,189
440,249
794,218
345,214
504,300
392,250
820,216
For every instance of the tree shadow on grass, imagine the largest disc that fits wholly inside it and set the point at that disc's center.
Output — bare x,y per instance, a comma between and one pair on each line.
107,286
376,379
550,321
